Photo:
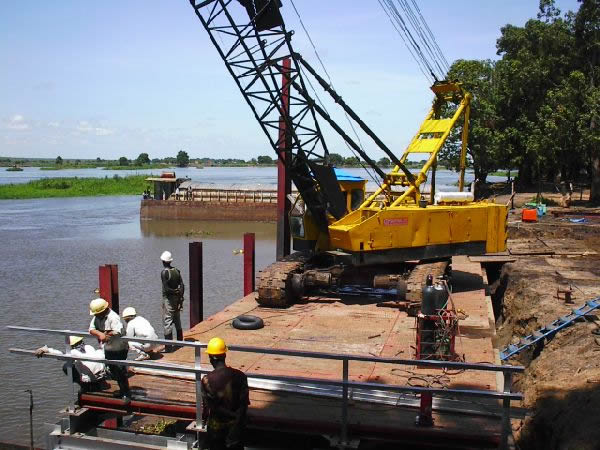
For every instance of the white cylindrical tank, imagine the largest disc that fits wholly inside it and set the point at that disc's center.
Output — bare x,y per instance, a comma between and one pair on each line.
453,197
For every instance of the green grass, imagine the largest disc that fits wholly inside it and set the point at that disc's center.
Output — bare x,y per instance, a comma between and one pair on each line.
14,169
75,187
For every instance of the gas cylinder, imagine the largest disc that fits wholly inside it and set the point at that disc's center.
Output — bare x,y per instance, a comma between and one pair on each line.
441,296
428,299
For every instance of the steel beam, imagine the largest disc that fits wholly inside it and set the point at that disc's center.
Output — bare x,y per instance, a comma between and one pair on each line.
284,182
249,263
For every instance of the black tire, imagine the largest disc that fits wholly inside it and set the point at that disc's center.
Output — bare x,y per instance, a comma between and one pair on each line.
248,323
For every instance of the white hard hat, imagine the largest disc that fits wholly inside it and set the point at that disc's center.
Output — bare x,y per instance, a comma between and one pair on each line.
74,340
98,306
129,312
166,256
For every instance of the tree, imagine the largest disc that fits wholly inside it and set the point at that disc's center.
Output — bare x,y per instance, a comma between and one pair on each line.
142,159
483,141
123,161
384,162
352,161
183,159
98,159
58,161
336,159
264,159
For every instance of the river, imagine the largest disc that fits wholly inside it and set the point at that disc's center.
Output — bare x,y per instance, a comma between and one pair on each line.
49,256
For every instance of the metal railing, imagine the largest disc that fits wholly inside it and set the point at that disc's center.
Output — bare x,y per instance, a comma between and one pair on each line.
506,395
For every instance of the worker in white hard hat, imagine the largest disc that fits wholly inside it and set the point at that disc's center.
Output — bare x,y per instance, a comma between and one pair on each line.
172,304
89,375
107,327
137,326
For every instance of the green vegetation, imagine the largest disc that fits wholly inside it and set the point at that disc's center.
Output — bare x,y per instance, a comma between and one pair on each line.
14,169
538,107
75,187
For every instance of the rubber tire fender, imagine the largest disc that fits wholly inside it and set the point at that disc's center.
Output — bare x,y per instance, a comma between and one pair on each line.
246,322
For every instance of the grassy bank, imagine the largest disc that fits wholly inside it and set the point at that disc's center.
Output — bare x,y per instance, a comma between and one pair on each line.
75,187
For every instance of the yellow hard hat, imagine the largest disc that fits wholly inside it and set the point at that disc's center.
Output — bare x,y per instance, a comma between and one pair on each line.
216,346
74,340
129,312
98,306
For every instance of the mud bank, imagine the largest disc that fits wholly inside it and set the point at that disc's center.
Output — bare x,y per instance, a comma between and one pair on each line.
562,381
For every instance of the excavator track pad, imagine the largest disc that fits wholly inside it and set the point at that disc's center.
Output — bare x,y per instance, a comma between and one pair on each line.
274,281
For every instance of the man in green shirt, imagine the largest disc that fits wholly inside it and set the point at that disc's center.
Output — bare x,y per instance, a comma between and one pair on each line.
172,293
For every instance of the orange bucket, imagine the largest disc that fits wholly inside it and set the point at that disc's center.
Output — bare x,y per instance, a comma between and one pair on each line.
529,215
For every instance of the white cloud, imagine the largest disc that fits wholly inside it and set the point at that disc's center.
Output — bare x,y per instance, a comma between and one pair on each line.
17,122
85,127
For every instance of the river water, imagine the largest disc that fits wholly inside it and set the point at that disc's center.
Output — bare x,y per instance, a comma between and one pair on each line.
50,250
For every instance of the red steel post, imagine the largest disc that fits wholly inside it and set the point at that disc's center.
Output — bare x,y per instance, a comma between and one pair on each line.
425,417
284,183
108,284
249,263
196,286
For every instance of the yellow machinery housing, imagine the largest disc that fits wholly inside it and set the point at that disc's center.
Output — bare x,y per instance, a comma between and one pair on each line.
399,223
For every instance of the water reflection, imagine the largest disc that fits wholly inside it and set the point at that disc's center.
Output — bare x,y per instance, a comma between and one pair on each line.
206,229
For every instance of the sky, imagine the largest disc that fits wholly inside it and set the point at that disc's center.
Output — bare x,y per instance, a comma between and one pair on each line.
118,78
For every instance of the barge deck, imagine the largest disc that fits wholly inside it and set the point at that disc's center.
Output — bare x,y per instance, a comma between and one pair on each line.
350,328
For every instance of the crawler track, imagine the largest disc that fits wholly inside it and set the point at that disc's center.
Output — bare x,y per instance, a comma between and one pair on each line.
273,285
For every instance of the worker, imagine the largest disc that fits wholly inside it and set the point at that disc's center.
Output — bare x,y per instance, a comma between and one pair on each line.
172,304
225,400
137,326
106,326
89,375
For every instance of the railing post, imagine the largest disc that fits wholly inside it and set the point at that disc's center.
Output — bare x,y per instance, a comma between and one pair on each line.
197,361
249,263
425,417
108,284
344,433
69,366
506,427
196,284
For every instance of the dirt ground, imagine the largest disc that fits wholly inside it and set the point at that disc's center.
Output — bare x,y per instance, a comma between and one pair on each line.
561,384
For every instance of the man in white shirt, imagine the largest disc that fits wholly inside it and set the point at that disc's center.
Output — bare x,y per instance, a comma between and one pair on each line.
89,375
107,327
137,326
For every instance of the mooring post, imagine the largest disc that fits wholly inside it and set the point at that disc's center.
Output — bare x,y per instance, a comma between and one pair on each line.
108,284
249,263
196,286
284,182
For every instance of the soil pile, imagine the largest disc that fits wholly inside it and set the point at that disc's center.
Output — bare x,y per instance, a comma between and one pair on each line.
562,381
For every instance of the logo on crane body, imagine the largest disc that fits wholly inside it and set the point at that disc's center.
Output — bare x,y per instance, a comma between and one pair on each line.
396,222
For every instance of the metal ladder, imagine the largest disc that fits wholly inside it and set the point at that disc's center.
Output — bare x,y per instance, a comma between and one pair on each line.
551,329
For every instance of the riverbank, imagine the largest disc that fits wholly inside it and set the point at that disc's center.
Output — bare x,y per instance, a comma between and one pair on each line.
74,187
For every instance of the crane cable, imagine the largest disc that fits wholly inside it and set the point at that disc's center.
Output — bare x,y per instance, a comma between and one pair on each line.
420,42
360,144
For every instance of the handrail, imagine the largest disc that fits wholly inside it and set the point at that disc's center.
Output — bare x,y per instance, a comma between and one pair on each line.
506,395
300,353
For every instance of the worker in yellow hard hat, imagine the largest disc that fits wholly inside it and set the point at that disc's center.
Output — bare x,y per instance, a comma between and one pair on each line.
107,327
89,375
225,400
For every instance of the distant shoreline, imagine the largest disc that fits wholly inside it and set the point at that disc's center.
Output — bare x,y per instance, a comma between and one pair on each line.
74,187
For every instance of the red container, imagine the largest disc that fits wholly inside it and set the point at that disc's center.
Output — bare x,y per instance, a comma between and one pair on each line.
529,215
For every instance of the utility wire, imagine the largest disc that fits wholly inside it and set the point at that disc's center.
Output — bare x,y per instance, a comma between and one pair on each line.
360,144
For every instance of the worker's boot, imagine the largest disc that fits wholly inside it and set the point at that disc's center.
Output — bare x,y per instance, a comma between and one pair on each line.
125,393
169,348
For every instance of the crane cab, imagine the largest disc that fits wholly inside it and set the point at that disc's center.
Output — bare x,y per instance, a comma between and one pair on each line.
303,229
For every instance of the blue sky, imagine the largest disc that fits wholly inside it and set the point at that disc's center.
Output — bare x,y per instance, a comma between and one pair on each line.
117,78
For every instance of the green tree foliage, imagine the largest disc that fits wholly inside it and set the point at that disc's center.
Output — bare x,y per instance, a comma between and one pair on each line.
384,162
183,159
351,161
483,149
336,159
123,161
58,161
263,159
142,159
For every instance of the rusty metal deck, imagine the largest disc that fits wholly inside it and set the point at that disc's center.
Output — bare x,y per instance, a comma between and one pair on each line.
329,325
